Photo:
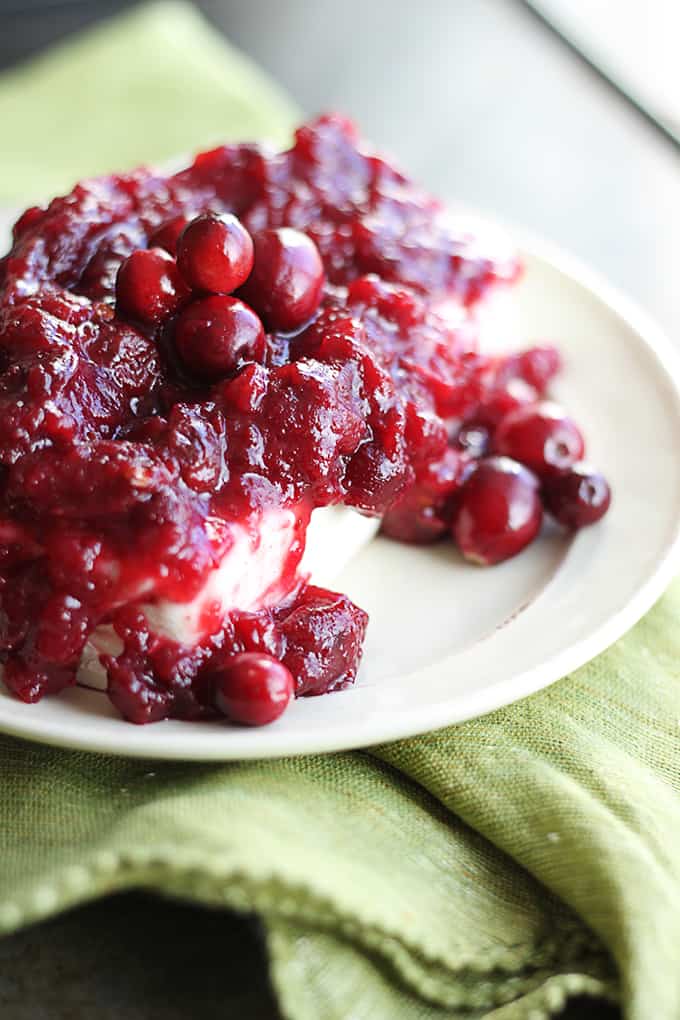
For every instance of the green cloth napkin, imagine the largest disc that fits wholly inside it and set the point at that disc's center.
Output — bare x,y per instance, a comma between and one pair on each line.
141,88
494,869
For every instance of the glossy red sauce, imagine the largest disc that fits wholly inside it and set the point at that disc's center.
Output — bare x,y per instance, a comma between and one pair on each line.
115,461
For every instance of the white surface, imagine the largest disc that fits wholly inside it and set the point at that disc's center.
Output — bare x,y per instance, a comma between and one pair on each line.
334,537
635,44
448,641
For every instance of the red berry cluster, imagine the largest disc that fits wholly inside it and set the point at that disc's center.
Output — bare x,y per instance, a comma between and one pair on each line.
225,385
517,457
192,269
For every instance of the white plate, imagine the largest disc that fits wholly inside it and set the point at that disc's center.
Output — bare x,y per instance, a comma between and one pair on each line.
448,641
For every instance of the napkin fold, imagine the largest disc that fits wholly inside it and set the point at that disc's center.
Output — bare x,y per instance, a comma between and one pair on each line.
493,869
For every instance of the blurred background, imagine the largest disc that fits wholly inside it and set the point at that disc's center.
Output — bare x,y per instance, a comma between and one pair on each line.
482,101
562,116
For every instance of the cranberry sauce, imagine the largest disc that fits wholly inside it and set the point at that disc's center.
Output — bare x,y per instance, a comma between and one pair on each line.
141,405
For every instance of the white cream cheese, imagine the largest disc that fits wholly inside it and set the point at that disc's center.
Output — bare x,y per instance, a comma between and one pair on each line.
248,578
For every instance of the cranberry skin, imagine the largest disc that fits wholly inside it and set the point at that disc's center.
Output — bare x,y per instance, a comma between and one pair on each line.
287,279
253,688
498,511
413,524
167,235
215,253
246,390
29,218
31,681
538,365
578,497
423,514
499,402
148,286
324,636
136,694
216,335
474,439
541,437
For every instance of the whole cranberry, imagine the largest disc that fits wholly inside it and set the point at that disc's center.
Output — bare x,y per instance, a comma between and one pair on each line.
167,234
541,437
498,511
253,688
287,278
216,335
413,523
536,366
501,400
215,253
148,286
577,497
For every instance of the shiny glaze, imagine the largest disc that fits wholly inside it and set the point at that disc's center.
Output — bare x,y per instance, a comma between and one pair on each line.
116,459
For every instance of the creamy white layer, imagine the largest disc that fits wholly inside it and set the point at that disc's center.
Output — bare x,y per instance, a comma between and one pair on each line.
251,576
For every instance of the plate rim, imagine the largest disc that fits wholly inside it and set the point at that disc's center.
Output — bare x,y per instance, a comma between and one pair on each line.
425,718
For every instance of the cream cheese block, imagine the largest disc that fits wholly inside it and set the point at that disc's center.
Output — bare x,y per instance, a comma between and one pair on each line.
248,578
